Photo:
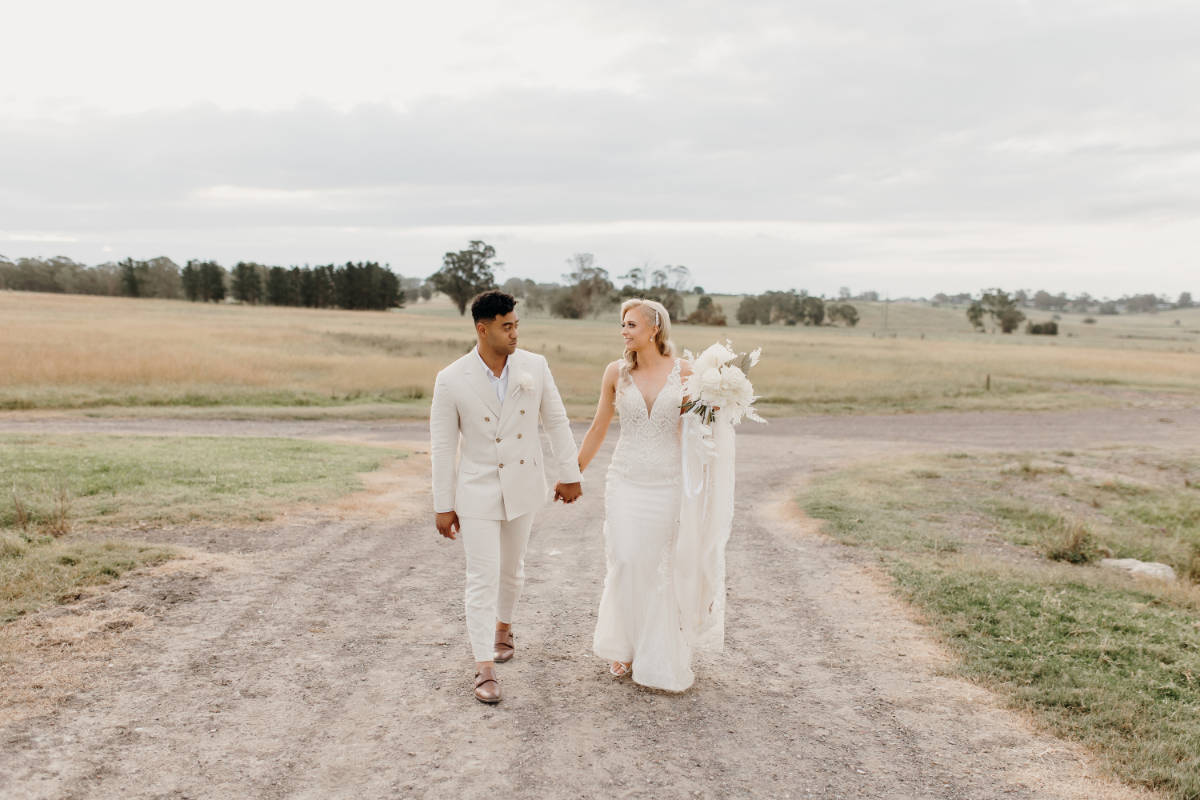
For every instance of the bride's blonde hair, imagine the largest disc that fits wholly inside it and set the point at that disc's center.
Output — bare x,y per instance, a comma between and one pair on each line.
654,314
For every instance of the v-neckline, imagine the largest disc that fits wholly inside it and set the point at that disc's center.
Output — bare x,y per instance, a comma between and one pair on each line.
650,406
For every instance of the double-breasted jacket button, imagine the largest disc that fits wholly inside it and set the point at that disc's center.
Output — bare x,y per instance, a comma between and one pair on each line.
501,466
487,419
522,461
522,411
519,436
497,440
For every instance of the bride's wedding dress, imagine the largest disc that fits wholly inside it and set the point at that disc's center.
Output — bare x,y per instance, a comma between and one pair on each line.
639,618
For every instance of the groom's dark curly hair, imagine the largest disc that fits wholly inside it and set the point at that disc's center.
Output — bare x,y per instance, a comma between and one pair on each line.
492,304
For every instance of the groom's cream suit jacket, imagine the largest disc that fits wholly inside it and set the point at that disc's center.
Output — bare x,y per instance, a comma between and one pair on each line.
499,472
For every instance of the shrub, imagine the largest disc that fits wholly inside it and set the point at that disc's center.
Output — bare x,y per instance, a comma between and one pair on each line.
997,304
11,547
1074,544
707,313
1042,328
844,312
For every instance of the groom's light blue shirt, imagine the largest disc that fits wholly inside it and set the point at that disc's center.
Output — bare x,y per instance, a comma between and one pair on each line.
499,384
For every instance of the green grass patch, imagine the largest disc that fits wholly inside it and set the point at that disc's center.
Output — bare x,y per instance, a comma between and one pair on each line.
1112,668
363,412
1022,525
52,487
113,481
1176,514
38,571
895,522
1096,656
215,397
1159,525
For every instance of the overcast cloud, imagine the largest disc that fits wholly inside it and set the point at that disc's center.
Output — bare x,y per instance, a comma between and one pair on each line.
907,147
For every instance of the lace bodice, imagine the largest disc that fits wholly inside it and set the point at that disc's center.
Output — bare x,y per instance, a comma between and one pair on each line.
648,448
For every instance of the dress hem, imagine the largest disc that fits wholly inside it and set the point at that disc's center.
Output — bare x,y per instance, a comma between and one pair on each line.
598,654
655,683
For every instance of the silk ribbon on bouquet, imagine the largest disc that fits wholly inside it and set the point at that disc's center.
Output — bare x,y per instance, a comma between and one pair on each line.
705,519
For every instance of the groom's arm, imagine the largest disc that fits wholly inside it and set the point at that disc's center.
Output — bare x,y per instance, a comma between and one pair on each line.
443,443
558,430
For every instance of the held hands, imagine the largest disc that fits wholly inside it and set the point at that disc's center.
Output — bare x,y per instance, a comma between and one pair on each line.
447,524
447,521
568,492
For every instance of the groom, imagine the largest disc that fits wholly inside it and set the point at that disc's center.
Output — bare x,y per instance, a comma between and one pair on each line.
486,407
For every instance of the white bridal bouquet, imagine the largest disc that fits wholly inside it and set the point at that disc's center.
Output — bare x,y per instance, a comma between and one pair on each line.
719,380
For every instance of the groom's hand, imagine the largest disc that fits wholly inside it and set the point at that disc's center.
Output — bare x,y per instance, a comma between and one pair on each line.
447,523
568,492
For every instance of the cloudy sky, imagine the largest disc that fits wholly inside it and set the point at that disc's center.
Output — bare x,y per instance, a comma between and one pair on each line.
907,147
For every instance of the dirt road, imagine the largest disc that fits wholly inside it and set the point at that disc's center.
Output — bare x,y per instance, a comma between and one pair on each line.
324,655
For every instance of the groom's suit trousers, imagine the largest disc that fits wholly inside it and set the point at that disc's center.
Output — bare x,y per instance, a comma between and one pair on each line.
495,551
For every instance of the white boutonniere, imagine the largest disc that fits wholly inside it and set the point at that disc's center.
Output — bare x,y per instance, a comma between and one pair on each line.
524,382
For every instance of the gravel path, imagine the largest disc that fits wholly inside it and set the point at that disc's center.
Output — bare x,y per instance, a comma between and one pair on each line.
324,655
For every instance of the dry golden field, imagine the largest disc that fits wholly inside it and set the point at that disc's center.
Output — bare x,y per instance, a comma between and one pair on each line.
115,355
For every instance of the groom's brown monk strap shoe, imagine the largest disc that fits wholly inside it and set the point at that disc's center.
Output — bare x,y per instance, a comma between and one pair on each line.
503,650
487,689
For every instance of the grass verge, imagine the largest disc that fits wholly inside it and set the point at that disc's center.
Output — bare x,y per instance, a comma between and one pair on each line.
59,487
38,571
996,552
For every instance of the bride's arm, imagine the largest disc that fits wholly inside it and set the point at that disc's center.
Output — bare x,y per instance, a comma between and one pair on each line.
604,414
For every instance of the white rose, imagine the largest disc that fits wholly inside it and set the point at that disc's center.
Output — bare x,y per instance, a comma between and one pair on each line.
712,358
733,382
710,382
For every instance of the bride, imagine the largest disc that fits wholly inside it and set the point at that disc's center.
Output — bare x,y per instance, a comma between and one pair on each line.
640,627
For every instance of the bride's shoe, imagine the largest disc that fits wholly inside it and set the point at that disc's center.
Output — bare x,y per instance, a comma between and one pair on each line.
620,669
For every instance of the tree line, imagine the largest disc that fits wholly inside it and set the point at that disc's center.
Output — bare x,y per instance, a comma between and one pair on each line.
1082,303
353,285
588,290
159,277
364,285
1004,309
795,308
